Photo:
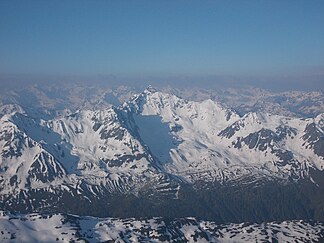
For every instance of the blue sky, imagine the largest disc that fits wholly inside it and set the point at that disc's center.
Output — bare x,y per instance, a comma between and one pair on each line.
162,38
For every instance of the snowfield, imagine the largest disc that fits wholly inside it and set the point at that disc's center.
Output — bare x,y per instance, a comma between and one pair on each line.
67,228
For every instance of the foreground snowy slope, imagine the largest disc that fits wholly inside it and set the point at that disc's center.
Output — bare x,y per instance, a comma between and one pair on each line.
67,228
155,146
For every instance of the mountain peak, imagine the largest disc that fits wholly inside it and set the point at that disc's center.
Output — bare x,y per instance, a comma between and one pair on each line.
150,89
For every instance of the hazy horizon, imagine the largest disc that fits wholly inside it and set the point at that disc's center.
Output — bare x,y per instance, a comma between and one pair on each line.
269,44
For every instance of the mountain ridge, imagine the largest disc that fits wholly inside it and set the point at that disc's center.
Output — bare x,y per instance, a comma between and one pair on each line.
155,145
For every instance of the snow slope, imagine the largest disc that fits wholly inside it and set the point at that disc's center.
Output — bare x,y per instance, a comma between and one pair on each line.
67,228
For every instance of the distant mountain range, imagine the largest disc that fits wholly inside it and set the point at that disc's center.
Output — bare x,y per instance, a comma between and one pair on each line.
50,100
160,155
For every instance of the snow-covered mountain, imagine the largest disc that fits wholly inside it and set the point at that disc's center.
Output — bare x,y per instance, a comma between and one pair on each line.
50,100
154,144
67,228
214,142
251,99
